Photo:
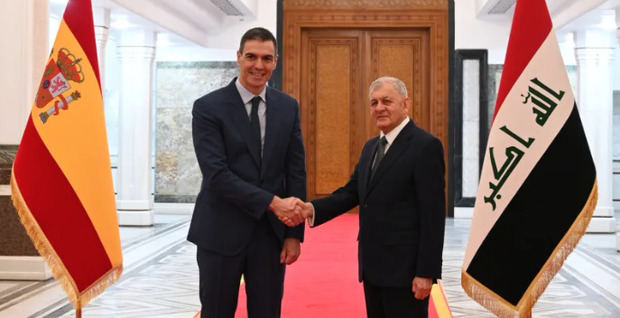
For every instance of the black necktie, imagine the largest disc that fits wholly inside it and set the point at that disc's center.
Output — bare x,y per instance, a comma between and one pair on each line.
378,155
255,125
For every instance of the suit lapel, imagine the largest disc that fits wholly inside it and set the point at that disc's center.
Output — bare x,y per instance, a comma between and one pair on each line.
394,152
271,118
240,115
364,165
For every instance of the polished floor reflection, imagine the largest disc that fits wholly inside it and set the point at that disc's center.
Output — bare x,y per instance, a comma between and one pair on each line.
161,280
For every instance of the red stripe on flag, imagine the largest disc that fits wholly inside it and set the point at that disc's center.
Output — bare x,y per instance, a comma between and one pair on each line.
525,39
432,308
79,17
58,211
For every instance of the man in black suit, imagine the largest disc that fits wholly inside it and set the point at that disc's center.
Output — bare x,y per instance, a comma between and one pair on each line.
250,151
398,184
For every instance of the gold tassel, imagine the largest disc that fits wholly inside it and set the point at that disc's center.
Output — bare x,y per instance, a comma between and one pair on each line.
559,255
485,297
501,307
45,248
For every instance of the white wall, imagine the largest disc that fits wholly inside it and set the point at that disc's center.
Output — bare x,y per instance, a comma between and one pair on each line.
472,33
266,17
223,46
493,33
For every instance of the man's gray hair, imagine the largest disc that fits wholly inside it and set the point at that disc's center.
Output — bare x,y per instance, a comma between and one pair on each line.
398,85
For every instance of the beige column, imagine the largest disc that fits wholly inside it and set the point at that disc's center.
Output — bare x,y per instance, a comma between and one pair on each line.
594,54
24,42
617,16
101,21
136,52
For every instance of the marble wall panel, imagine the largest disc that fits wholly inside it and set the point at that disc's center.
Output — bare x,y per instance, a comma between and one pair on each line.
178,85
616,128
470,132
7,155
493,78
13,238
616,150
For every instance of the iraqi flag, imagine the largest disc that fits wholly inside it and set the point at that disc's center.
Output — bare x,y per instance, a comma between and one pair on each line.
61,181
538,186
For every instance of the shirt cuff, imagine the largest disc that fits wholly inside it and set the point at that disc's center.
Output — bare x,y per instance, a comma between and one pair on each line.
311,219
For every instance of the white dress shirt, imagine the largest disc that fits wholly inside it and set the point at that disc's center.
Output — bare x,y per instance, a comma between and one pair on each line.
246,97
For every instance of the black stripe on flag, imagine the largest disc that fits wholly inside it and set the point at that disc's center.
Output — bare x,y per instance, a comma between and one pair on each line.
539,215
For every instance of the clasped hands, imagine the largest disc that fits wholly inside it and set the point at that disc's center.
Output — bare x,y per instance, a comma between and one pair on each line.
291,211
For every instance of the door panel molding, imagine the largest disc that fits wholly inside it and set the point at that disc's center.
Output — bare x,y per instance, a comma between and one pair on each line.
332,131
366,4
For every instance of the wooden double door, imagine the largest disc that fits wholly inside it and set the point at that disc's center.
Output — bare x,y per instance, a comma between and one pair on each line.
338,65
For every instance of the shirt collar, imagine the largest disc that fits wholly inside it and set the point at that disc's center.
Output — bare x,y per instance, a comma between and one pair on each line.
394,132
246,95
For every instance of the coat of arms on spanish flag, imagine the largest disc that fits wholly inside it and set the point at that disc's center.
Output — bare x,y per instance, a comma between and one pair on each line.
61,181
538,186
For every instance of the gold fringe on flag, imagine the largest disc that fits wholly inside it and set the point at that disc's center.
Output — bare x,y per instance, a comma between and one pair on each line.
59,271
503,308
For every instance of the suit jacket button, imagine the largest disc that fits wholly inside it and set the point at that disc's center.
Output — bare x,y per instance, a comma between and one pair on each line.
365,205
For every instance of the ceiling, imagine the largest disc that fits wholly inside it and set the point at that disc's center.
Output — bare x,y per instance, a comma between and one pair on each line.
194,22
179,21
566,14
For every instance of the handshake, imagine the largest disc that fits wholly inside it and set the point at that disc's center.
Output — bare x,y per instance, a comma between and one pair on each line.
291,211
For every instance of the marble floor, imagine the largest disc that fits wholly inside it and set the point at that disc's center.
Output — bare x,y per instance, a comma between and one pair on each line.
160,278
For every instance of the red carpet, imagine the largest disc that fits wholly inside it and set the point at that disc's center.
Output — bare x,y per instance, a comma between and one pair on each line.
323,282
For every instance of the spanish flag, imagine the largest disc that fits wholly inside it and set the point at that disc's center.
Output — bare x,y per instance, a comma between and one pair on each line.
537,186
61,181
438,303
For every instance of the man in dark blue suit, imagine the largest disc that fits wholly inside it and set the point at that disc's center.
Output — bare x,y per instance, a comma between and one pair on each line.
249,146
398,184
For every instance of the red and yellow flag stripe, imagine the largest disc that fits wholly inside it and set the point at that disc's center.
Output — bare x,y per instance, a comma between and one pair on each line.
438,303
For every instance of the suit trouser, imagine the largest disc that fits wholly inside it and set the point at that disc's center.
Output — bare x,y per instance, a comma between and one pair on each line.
263,275
393,302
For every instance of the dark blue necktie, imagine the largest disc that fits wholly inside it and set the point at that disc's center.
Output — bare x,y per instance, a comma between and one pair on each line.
255,126
378,156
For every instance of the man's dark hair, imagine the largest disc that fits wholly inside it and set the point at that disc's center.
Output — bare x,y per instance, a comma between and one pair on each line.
260,34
